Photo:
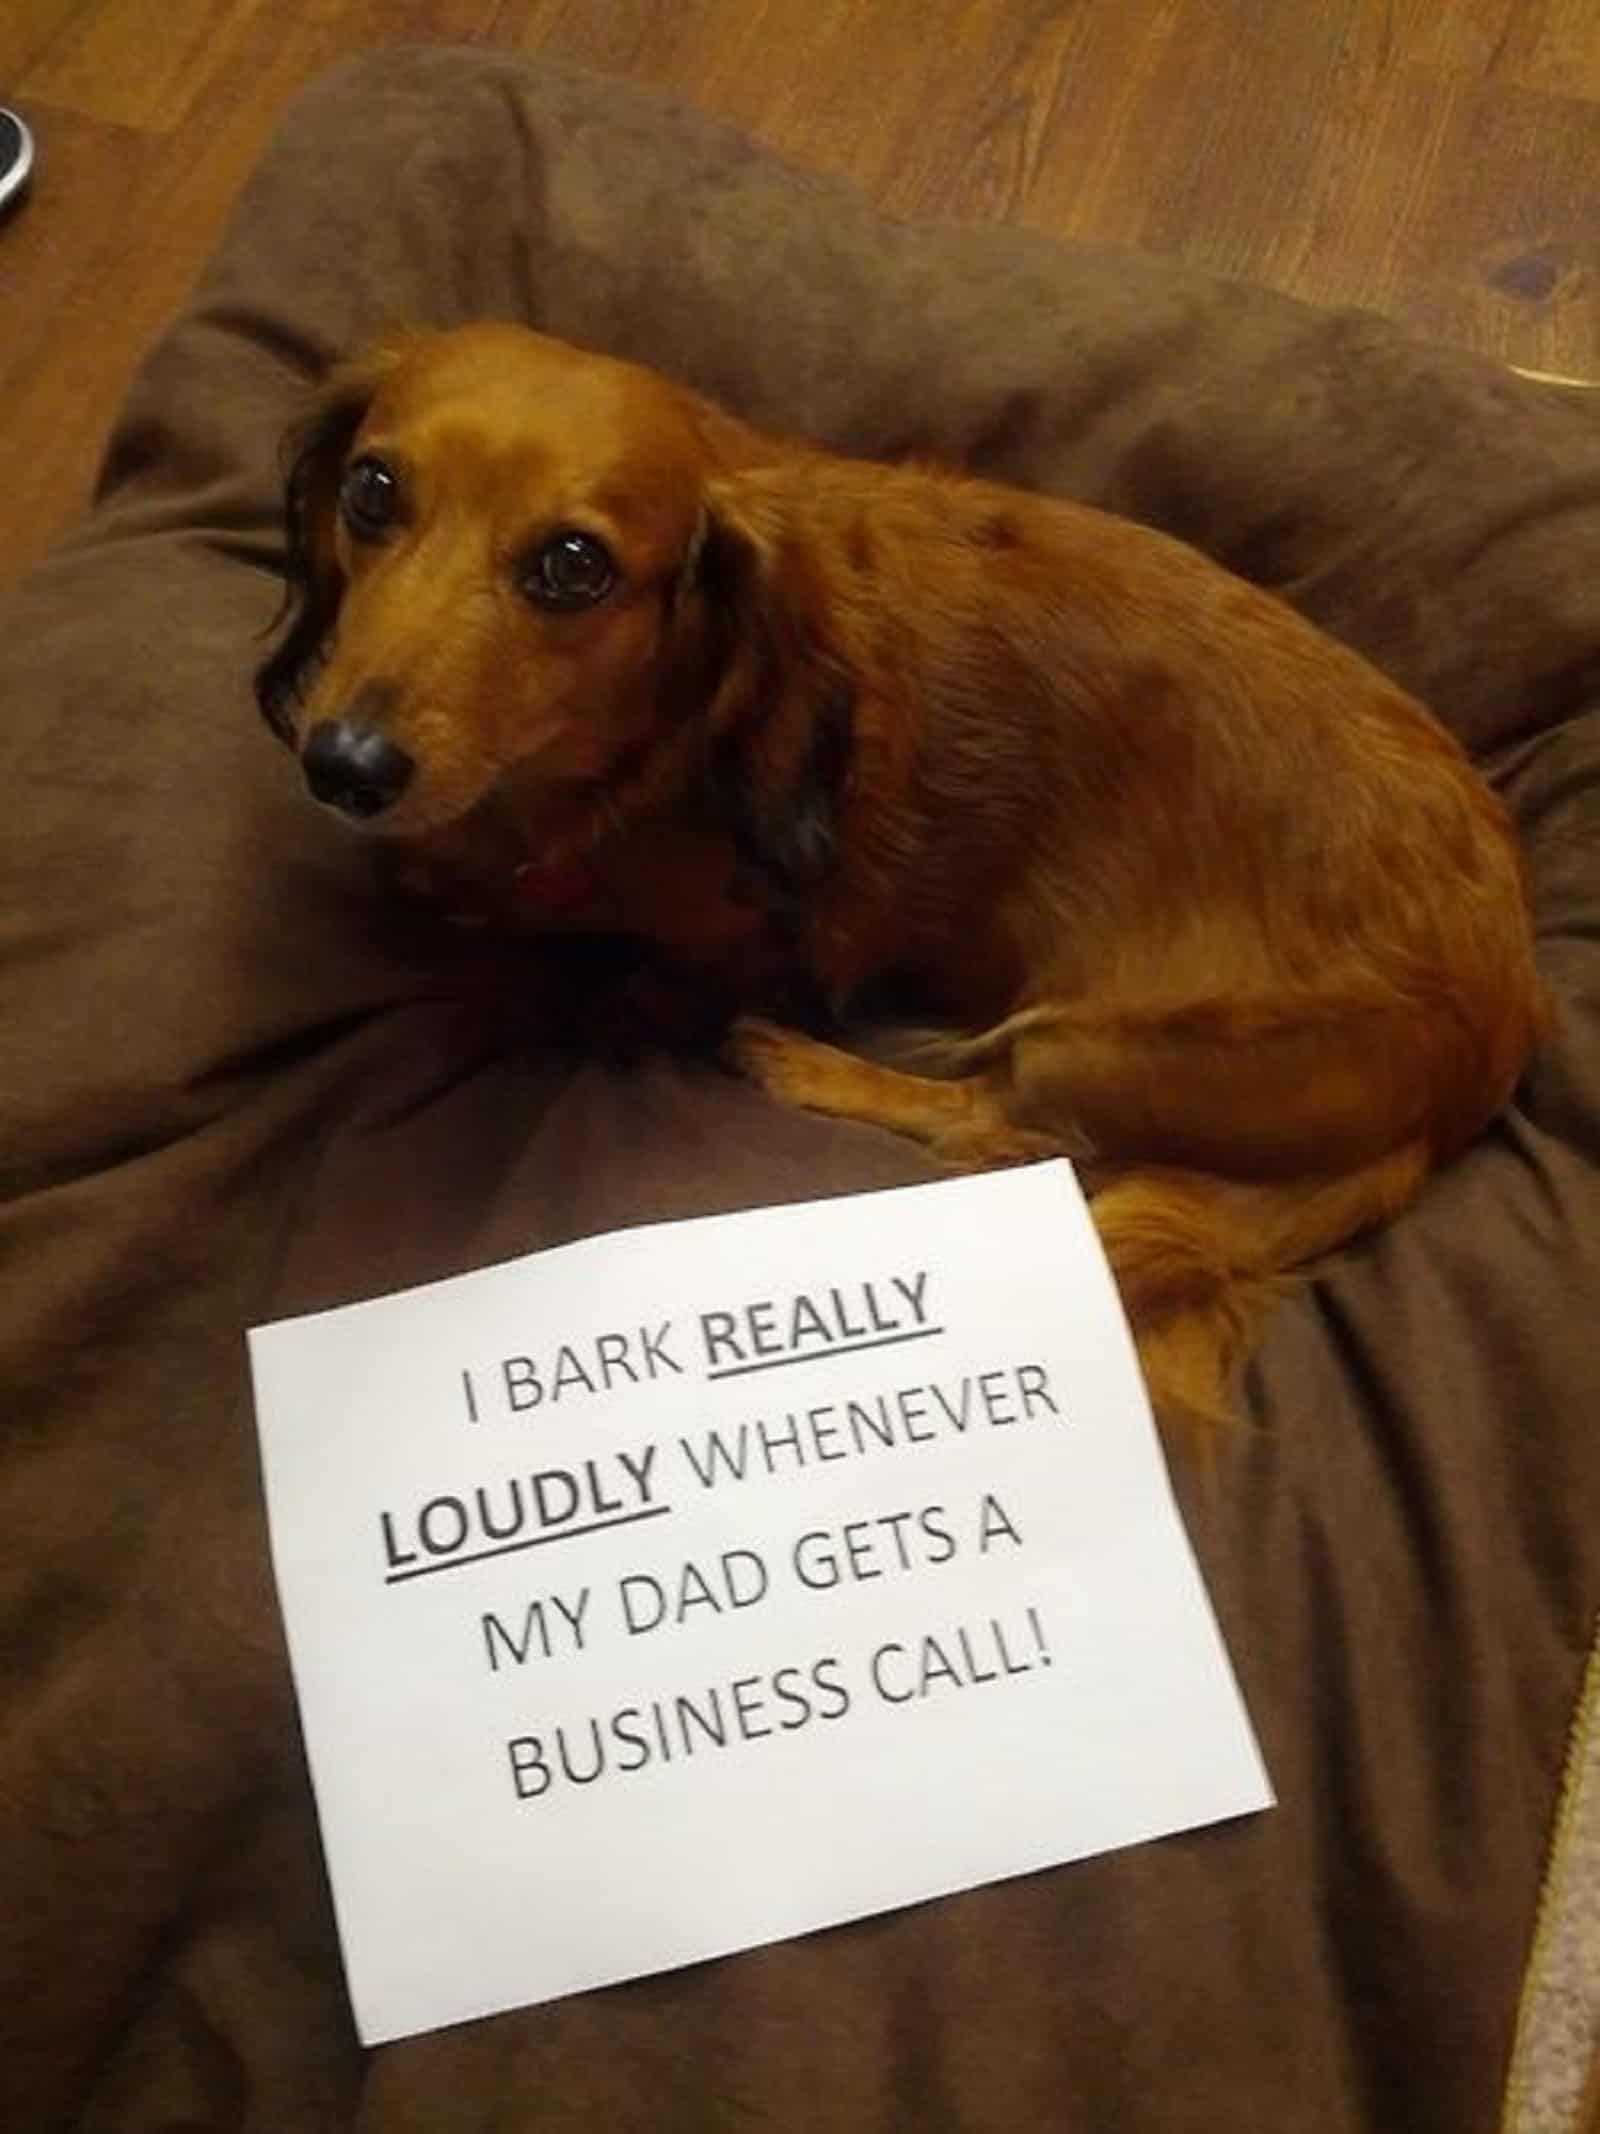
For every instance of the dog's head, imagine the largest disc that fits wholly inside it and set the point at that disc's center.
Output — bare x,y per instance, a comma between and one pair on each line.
519,569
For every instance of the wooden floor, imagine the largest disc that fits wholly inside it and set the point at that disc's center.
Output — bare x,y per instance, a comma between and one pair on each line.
1438,160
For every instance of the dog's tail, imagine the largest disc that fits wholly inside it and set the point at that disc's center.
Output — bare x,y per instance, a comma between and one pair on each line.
1198,1259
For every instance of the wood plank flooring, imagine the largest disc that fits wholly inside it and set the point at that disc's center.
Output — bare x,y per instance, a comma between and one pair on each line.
1438,160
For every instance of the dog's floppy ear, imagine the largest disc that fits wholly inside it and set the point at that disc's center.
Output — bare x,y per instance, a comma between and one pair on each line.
781,718
314,452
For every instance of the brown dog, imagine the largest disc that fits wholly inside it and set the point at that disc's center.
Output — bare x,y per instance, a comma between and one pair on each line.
1215,908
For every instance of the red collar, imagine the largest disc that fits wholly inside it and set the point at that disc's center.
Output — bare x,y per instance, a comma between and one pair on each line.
561,888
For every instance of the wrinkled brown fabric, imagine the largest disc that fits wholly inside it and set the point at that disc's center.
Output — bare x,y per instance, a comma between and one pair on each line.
233,1082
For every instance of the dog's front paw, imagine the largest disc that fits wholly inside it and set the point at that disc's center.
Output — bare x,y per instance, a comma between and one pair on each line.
792,1068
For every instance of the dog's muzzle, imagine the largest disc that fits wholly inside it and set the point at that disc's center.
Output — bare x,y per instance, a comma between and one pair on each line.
354,768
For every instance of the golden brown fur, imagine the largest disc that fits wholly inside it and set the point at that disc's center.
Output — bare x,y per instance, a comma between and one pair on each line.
1210,904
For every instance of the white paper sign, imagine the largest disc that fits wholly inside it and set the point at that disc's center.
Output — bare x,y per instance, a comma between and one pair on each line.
704,1584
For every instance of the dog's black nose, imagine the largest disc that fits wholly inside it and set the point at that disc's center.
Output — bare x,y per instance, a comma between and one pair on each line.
354,768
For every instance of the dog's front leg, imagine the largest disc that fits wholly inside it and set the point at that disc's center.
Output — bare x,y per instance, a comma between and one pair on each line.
963,1123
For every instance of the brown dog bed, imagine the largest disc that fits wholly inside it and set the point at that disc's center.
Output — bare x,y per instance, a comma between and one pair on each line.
236,1081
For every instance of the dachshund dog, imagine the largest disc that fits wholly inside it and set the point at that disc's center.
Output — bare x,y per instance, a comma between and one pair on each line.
1187,890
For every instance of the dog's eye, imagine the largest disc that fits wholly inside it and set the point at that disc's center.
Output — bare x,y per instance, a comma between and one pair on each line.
572,570
369,498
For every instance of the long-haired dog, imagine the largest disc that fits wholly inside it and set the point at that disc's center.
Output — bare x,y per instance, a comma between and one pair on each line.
1200,898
